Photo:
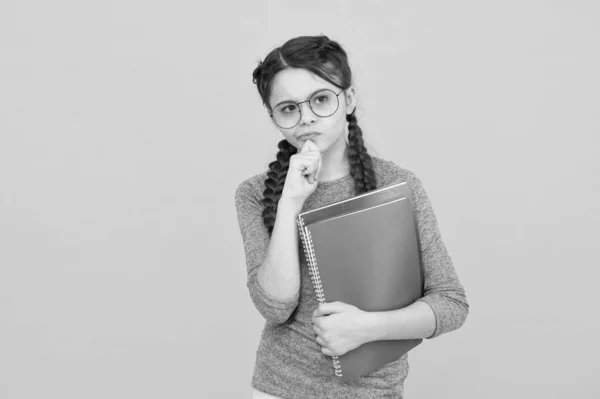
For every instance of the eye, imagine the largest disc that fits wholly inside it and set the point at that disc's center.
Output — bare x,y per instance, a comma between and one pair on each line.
321,99
288,108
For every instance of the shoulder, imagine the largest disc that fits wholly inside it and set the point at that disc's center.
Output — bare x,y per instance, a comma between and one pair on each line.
388,172
251,187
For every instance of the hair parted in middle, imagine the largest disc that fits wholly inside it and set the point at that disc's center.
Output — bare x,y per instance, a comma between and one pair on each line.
328,60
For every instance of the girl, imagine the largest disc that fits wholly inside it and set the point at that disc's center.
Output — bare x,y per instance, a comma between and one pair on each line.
306,86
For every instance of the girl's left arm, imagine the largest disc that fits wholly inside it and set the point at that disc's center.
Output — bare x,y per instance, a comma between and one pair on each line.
444,306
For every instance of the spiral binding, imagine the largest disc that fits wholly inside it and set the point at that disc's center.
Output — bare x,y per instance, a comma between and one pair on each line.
313,270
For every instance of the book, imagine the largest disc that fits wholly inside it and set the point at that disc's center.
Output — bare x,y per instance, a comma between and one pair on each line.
365,251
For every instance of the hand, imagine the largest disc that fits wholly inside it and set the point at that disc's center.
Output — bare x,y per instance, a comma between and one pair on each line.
303,173
340,327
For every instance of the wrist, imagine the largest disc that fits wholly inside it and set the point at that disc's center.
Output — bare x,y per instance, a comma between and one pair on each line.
290,203
372,326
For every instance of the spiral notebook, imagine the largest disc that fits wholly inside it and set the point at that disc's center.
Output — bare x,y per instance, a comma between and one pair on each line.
365,251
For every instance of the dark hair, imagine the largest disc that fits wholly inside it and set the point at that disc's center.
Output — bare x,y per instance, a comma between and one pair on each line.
328,60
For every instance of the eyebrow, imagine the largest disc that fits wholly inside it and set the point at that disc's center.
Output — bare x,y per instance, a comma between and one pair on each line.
309,96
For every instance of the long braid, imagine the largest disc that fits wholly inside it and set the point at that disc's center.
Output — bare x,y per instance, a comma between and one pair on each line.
361,163
328,60
274,183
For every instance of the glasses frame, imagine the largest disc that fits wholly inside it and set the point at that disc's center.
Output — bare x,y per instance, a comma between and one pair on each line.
311,108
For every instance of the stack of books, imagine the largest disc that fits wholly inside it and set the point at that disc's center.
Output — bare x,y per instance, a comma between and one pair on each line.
365,251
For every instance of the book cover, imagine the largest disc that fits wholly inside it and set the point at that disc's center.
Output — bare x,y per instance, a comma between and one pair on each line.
364,251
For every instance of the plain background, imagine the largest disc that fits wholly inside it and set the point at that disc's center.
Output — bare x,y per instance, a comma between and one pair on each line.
126,126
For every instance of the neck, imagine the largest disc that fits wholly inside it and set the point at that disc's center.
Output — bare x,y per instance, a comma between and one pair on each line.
334,161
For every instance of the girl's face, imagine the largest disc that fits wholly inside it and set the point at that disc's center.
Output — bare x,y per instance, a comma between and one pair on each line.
297,85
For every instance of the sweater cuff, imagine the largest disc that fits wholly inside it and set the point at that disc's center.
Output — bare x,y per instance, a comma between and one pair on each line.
271,301
433,301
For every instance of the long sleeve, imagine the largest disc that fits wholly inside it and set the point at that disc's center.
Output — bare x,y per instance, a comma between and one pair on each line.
443,290
255,237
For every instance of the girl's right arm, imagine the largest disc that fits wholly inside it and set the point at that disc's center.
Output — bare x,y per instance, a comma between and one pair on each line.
273,263
279,273
277,304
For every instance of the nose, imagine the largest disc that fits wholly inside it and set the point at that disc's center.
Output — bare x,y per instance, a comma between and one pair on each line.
307,116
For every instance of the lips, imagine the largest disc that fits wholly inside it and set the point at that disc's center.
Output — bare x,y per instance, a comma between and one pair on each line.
307,135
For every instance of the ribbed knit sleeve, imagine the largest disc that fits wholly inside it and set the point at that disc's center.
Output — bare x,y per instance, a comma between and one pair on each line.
255,237
443,290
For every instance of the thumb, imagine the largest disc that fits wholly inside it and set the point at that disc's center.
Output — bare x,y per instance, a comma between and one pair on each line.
328,308
309,146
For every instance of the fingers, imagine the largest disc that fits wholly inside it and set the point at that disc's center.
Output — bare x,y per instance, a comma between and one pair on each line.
324,346
320,341
309,146
309,158
315,168
310,171
304,162
316,329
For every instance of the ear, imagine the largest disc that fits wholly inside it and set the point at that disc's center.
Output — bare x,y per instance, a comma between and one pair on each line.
350,98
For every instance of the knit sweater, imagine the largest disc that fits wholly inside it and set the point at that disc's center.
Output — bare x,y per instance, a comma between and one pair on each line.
289,362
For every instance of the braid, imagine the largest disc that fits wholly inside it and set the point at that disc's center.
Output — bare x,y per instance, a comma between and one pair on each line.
274,183
361,164
361,170
328,60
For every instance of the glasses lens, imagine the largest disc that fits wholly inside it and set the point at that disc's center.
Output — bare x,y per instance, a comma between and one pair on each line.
324,103
286,115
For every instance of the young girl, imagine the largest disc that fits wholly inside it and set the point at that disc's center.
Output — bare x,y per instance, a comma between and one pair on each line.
306,86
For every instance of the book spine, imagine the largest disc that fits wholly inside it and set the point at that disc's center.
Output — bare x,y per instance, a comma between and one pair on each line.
313,270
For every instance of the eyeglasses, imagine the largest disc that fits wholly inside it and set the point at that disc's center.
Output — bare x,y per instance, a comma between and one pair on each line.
323,103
